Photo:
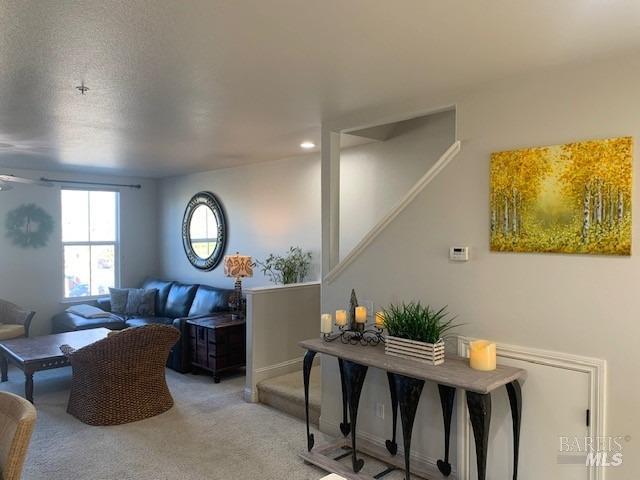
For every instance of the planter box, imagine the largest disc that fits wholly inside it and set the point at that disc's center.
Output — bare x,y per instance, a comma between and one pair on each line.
431,353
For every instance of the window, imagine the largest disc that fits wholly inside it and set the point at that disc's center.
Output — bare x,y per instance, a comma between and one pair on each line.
90,242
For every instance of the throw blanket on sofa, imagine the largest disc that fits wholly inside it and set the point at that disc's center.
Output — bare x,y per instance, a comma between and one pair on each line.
89,311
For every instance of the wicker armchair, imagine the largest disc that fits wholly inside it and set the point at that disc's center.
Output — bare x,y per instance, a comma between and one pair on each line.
121,378
14,321
17,419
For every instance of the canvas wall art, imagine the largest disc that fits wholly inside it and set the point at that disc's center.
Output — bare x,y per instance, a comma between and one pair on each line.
572,198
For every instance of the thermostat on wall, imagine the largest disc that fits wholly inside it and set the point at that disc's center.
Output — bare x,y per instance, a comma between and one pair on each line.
459,254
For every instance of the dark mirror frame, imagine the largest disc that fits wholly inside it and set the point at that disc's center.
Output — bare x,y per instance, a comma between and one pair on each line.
208,199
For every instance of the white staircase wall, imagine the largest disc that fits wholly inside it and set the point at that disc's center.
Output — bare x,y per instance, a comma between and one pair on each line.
278,317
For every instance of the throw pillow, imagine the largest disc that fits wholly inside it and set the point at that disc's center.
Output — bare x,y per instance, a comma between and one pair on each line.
119,297
142,302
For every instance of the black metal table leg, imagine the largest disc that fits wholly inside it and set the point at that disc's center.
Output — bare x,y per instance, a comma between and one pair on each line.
447,397
480,412
354,375
345,426
408,392
392,445
515,399
306,372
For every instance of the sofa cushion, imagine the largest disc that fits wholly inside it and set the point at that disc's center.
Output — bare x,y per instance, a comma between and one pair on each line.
119,297
68,322
163,292
11,330
210,300
179,300
140,321
142,302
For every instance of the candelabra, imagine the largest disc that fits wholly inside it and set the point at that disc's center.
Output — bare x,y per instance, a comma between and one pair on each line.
362,336
354,331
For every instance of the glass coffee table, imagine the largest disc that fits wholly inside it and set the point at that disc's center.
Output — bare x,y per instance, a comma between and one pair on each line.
35,354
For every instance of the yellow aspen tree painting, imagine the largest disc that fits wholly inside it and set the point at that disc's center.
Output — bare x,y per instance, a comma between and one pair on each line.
572,198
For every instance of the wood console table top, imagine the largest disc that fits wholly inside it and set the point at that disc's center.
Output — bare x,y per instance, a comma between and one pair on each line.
454,372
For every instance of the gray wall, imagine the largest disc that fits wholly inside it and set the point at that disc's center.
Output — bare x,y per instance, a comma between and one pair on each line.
34,277
272,206
585,305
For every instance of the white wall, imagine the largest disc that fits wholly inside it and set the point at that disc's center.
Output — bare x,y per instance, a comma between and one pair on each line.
586,305
375,176
278,317
269,207
33,278
272,206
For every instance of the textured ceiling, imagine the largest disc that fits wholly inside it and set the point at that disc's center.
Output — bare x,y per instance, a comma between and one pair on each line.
183,86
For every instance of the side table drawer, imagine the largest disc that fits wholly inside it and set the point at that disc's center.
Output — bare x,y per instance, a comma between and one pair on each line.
234,359
227,336
198,340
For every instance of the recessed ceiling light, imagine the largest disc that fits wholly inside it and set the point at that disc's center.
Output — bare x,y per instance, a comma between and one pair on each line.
307,145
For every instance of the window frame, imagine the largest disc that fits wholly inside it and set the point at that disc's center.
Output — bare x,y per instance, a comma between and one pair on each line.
89,243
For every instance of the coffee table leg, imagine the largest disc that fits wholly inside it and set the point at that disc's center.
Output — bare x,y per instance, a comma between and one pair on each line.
28,386
4,368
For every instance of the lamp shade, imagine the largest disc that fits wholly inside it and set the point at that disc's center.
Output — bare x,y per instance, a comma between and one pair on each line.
238,266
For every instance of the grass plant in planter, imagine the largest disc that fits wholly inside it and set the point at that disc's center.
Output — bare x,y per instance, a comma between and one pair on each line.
417,332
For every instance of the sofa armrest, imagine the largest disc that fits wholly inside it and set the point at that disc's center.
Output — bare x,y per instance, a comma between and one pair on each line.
104,304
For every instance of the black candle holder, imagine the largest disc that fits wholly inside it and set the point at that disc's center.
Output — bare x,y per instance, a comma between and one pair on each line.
353,332
363,336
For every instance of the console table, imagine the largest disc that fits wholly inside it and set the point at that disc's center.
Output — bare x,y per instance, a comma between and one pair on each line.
406,379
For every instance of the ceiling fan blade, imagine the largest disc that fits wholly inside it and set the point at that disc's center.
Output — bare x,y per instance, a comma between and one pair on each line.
26,181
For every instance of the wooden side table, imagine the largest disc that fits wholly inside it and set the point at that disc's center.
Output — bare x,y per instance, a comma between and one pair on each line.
217,343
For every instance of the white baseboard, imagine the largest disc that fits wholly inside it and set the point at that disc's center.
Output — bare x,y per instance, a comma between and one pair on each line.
332,427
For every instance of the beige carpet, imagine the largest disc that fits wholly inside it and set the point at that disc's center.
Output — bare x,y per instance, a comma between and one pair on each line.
211,433
286,393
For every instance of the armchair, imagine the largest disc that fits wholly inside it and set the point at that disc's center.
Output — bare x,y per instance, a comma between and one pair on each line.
121,378
14,321
18,418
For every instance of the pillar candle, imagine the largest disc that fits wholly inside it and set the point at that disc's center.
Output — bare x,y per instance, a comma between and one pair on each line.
341,318
380,319
482,355
326,323
361,314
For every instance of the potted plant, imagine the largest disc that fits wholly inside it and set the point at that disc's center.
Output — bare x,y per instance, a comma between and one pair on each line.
416,331
292,268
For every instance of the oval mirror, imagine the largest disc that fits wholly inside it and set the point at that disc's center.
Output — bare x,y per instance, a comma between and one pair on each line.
204,231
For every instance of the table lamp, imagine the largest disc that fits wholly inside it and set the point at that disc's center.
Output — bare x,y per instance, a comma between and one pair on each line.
238,266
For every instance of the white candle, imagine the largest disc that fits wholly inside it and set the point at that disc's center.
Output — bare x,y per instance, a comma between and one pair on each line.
361,314
326,322
380,319
341,318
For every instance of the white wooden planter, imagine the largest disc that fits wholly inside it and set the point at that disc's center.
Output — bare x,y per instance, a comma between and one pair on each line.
431,353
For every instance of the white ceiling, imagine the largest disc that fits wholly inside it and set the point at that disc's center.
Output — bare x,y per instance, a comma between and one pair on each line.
182,86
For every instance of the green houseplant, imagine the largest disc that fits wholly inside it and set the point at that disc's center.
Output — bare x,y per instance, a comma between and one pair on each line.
417,331
291,268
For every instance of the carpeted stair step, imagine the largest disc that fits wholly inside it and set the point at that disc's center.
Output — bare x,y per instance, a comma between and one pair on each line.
286,393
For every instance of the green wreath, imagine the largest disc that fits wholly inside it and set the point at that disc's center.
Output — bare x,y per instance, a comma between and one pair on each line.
29,226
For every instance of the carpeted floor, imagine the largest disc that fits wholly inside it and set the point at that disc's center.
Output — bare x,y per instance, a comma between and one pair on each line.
210,433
